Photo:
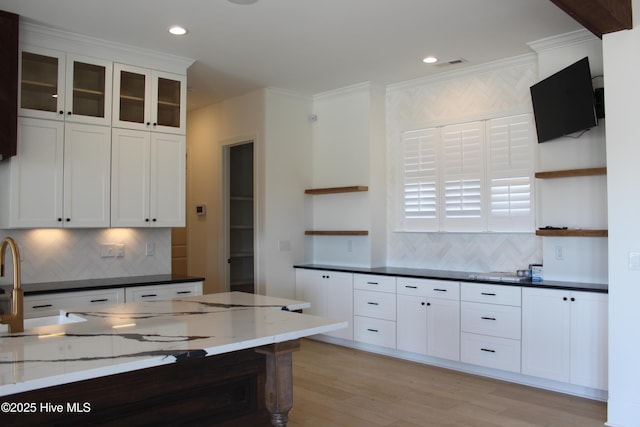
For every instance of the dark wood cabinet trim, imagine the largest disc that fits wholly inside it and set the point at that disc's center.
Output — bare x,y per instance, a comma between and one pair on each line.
599,16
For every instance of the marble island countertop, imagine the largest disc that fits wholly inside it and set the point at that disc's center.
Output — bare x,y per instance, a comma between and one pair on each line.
126,337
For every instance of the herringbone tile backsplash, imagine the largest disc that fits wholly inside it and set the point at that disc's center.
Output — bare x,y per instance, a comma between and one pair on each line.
51,255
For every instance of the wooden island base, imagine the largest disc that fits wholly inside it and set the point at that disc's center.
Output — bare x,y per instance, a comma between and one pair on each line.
223,390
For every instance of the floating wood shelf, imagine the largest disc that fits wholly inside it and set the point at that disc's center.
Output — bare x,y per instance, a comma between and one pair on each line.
573,233
354,188
571,172
336,233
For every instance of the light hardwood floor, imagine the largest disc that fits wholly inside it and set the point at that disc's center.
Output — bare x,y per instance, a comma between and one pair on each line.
338,386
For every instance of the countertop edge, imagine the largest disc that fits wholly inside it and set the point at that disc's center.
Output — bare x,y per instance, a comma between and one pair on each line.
457,276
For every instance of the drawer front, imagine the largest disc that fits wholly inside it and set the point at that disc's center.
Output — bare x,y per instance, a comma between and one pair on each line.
51,304
492,352
163,292
374,331
378,305
428,288
374,282
492,294
490,319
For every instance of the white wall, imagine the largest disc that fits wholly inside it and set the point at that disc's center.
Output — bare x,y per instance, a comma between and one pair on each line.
622,104
287,172
348,150
236,120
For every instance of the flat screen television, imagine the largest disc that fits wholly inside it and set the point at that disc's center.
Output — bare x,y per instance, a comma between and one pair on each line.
563,103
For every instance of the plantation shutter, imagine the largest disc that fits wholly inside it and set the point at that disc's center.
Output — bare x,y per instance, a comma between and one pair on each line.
462,176
420,180
510,182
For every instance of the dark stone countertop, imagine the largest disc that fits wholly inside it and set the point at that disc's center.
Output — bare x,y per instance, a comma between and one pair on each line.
458,276
105,283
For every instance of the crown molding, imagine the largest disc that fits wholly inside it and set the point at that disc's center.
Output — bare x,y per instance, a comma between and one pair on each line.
516,61
35,34
563,40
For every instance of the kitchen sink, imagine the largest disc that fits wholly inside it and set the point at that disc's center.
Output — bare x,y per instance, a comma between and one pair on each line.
61,319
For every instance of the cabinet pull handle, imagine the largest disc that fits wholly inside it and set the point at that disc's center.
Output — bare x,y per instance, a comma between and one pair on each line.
372,330
148,295
100,300
372,303
410,287
439,290
488,350
488,318
488,294
183,292
42,306
372,283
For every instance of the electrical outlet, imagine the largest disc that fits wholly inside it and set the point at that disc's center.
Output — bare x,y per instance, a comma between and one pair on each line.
151,249
559,253
112,250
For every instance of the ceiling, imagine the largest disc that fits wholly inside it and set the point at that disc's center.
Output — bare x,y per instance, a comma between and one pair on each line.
308,46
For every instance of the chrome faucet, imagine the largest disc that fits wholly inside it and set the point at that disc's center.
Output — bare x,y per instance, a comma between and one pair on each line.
15,319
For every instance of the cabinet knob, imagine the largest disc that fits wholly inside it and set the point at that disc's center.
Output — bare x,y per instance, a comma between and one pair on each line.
573,299
564,298
60,112
146,220
59,219
68,219
155,124
69,113
428,304
153,220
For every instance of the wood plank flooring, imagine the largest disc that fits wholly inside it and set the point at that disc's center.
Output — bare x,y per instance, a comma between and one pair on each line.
338,386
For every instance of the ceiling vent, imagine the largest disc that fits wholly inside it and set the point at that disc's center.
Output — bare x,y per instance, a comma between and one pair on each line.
451,62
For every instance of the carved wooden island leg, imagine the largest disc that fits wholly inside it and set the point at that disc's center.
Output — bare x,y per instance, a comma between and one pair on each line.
279,382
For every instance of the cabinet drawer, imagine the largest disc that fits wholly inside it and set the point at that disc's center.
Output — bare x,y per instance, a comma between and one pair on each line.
428,288
492,352
163,292
492,294
374,331
490,319
51,304
378,305
374,282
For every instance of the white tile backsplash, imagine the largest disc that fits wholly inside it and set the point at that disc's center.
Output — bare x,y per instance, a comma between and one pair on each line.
50,255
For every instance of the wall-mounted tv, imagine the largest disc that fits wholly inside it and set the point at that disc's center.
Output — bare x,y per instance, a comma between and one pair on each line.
563,103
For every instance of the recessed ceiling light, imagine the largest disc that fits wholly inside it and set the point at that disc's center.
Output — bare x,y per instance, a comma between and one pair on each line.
177,30
430,60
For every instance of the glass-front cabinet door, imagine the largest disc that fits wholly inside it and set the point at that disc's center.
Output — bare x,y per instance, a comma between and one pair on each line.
89,87
131,97
42,81
149,100
57,86
169,99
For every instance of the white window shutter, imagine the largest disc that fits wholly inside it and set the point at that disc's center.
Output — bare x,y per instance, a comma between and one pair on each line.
420,180
510,180
462,175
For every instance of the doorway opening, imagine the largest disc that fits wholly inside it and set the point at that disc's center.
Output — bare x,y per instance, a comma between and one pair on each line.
240,214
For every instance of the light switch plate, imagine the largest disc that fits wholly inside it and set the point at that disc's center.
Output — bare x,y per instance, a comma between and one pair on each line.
634,260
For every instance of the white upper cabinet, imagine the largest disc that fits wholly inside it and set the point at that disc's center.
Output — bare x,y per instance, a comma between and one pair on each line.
145,99
59,86
60,177
147,179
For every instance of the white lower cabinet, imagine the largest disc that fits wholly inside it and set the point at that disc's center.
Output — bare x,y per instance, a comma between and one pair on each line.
330,294
162,292
490,325
51,304
374,310
428,317
564,336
